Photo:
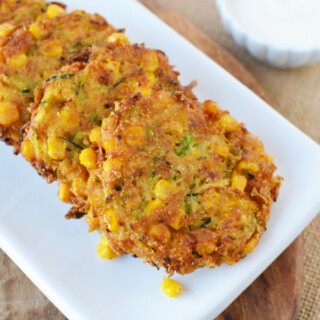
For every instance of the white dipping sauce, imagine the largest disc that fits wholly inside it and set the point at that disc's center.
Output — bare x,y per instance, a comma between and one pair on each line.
282,23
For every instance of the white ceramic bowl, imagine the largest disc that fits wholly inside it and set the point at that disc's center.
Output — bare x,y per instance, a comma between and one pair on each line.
276,56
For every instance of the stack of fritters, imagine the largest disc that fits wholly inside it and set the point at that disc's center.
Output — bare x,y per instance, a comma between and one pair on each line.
166,178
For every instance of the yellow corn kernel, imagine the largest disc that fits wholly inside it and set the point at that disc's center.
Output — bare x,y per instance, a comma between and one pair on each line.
19,61
95,135
222,150
151,77
118,38
56,148
50,93
52,49
88,158
55,11
64,191
42,17
79,11
204,248
150,61
248,165
104,250
211,108
164,188
114,66
178,220
159,232
133,84
238,182
171,287
112,220
228,123
145,91
154,204
27,150
6,28
251,244
9,113
135,136
108,145
69,117
4,8
112,165
36,30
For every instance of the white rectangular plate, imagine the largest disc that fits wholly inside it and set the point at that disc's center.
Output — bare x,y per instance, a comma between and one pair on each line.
60,256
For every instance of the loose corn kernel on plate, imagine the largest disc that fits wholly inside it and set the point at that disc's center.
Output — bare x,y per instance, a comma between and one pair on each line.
64,263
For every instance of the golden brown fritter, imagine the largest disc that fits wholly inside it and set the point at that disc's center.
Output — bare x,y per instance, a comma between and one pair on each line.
20,11
178,183
33,52
67,117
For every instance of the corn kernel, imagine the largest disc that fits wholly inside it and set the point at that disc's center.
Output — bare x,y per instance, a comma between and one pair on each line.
229,123
55,11
145,91
64,191
56,148
114,66
171,287
108,145
4,8
79,11
159,232
112,165
104,250
41,17
27,150
118,38
164,188
151,77
238,183
95,135
112,220
222,150
251,244
211,108
135,136
9,113
154,204
52,49
178,220
6,29
88,158
248,165
36,30
204,248
19,61
150,61
69,117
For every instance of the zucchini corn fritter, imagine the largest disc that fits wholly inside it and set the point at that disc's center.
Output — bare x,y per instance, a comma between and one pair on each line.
33,52
67,117
179,183
16,12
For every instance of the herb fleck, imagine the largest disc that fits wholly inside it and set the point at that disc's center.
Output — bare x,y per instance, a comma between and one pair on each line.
71,142
119,82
